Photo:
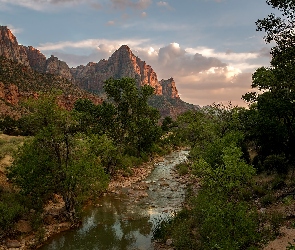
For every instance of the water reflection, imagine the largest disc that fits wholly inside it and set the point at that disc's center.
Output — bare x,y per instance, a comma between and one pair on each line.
123,221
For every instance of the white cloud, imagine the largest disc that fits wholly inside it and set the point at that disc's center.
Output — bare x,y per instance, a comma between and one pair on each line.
227,55
164,4
88,44
14,30
123,4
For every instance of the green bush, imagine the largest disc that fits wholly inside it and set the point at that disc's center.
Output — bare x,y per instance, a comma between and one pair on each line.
267,200
11,209
225,225
290,246
182,168
276,163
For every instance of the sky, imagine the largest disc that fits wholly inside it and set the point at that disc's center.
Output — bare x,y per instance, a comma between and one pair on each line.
210,47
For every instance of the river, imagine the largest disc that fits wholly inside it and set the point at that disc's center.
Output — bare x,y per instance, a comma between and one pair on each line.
124,220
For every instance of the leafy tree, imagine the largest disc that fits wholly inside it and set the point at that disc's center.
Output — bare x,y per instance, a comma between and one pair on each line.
274,108
135,123
57,160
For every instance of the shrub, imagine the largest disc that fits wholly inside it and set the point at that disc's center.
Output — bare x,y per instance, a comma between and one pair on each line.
11,209
182,168
267,200
276,163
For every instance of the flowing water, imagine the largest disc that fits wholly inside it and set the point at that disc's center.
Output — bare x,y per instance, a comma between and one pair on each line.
125,219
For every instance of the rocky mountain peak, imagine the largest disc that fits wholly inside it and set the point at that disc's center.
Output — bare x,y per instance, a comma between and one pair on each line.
6,34
169,88
122,63
9,47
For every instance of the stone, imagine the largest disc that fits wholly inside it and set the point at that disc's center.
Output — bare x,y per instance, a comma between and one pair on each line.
169,242
23,226
13,244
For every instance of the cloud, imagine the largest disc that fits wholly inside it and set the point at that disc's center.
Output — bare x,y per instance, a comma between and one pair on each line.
175,59
227,55
97,6
202,79
110,23
123,4
41,5
14,30
164,4
89,44
48,5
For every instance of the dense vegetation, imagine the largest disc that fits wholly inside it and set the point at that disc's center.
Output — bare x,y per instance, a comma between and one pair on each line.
232,149
28,80
73,154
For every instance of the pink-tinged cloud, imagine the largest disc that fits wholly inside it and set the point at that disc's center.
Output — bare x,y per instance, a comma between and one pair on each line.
123,4
110,23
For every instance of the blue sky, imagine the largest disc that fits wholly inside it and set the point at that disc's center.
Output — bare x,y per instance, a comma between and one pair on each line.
210,47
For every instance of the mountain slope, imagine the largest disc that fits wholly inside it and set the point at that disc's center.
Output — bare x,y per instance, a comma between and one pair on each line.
52,73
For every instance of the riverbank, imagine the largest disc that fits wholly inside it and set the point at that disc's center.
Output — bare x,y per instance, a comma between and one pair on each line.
56,222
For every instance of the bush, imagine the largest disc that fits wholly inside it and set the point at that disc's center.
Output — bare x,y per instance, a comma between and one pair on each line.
267,200
182,168
225,225
11,209
276,163
180,228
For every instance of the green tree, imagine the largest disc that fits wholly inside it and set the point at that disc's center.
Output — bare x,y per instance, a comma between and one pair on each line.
274,108
135,123
57,160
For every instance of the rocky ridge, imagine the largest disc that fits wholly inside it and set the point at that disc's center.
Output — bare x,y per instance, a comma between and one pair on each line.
91,77
122,63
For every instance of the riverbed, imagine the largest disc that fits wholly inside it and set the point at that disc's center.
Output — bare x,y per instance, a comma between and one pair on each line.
125,218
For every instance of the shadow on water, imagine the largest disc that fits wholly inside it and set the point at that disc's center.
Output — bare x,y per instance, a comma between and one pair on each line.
125,219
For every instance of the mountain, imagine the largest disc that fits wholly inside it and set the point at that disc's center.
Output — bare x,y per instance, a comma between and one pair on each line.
18,81
91,77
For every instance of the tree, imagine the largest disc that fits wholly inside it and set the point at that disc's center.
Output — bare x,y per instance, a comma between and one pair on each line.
57,160
135,123
275,102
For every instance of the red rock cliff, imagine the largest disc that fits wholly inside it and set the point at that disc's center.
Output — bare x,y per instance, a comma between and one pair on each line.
9,47
123,63
169,88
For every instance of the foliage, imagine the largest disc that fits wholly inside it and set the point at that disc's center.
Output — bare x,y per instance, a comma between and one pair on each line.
9,145
168,124
57,160
28,80
8,125
291,246
182,168
220,216
135,122
272,113
11,209
126,118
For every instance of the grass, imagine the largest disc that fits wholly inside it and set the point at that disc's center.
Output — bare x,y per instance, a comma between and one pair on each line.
9,144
